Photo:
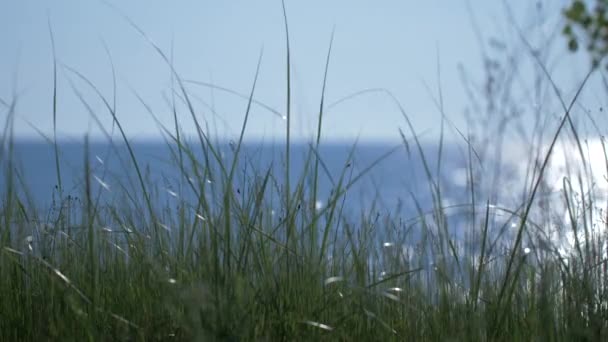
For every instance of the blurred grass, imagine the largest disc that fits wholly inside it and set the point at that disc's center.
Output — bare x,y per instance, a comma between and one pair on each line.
260,261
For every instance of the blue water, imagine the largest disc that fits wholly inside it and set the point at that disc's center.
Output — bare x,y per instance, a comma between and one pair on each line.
397,187
392,184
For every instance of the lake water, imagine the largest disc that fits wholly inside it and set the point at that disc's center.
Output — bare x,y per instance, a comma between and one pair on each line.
394,179
397,186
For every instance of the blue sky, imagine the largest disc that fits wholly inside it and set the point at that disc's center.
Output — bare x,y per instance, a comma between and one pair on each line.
396,45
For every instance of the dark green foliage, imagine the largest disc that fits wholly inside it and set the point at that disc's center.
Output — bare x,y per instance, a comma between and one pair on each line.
587,26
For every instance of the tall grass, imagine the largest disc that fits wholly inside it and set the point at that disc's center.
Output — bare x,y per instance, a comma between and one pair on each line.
249,256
